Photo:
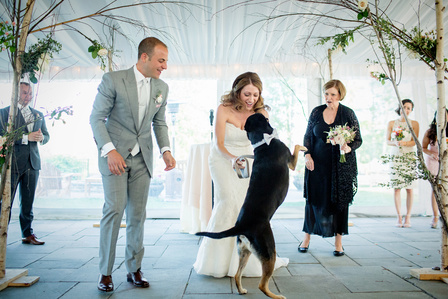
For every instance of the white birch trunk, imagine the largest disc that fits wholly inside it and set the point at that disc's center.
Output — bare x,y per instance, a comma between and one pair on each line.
441,190
6,173
330,64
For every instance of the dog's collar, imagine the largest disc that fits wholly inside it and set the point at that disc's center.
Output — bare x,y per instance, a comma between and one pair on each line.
266,139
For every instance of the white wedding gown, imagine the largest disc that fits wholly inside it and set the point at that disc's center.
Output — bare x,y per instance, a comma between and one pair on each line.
219,258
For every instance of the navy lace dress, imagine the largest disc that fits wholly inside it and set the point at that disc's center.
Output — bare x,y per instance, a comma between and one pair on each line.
329,189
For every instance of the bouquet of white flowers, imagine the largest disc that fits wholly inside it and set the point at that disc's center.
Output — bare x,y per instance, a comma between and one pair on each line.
341,135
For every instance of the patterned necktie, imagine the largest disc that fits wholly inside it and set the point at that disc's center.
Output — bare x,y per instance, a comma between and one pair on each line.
29,118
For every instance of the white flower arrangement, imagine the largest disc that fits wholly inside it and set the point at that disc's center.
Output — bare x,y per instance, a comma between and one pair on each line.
102,52
362,4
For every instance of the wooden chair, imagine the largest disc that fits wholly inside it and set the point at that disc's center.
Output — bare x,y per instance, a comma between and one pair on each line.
51,178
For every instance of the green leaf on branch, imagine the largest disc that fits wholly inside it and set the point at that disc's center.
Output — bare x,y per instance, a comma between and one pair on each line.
30,58
33,78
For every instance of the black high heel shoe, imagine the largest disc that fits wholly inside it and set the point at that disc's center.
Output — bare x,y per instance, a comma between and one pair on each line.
339,253
303,249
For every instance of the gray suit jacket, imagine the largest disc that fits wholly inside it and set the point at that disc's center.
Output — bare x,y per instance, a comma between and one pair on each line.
114,117
23,152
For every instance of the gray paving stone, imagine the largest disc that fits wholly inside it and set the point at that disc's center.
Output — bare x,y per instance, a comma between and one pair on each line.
51,275
318,285
86,290
385,262
22,261
378,259
438,289
178,256
40,289
383,295
368,251
371,279
201,284
328,260
57,264
382,236
73,253
308,269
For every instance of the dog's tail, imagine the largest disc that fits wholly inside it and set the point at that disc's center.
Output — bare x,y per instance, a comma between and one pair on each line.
231,232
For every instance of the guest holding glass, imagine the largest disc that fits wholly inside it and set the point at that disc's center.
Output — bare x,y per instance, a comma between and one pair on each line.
400,139
26,161
431,149
329,185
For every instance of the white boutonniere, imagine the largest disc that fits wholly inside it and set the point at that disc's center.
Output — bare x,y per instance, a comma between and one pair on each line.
159,97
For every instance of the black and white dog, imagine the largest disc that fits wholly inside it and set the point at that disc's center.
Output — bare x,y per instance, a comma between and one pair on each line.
267,190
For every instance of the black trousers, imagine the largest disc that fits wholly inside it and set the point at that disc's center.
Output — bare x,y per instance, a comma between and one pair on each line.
25,179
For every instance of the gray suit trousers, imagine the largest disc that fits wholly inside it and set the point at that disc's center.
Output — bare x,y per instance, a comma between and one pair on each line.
126,192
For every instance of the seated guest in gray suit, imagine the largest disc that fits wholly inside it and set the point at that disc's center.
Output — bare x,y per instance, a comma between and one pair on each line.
126,105
25,158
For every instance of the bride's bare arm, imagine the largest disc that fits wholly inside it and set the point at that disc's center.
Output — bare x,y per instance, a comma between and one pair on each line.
222,116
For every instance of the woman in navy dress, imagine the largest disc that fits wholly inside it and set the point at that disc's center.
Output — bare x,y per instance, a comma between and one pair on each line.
329,185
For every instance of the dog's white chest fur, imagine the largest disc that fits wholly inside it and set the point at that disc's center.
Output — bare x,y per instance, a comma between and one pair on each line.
246,243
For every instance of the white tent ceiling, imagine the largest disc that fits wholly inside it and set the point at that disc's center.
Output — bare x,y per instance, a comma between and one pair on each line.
215,38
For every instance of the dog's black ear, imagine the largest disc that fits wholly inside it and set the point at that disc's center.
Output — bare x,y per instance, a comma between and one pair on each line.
254,122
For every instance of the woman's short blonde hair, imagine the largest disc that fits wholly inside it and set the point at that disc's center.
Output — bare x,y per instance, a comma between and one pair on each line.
338,85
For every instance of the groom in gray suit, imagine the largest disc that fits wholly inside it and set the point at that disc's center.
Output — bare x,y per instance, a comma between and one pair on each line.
126,105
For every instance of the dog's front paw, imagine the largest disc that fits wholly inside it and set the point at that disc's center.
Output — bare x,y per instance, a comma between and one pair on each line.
301,148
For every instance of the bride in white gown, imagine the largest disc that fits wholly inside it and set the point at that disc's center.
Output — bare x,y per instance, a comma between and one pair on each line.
219,258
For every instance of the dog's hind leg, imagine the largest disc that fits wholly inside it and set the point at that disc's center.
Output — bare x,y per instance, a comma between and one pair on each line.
264,248
295,156
268,270
244,254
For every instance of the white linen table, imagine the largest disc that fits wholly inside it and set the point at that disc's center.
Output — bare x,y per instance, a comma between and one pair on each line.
196,207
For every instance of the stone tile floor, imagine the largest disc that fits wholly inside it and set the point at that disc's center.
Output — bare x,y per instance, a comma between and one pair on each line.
378,259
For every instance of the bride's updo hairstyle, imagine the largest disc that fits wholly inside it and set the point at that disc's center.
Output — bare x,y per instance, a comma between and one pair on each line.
338,85
398,110
233,97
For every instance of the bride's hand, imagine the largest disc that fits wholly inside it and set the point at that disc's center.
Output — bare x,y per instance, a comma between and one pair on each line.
238,163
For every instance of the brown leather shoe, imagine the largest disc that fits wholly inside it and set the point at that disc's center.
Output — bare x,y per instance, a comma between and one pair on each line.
137,279
105,283
33,240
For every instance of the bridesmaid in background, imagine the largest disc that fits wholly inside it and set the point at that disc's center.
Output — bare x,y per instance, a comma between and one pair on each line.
402,145
431,149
